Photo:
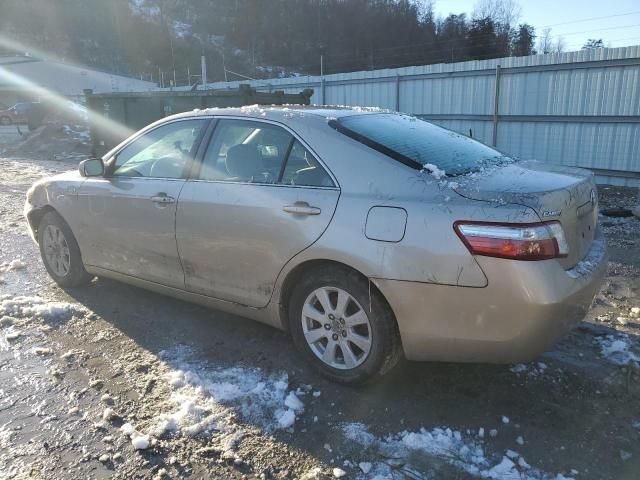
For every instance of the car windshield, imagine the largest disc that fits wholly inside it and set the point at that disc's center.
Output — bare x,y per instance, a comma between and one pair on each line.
419,144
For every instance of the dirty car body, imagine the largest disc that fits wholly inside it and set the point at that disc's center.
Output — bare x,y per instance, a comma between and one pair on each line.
479,258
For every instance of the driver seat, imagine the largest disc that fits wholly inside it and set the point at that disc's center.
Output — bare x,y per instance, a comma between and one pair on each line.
244,163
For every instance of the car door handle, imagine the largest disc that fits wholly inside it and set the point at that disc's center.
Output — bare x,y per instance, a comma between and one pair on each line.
163,199
301,208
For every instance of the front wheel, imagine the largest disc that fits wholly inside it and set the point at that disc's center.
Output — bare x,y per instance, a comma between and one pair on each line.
342,326
60,252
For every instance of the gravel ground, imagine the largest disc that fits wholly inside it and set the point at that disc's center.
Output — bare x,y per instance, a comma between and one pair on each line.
111,381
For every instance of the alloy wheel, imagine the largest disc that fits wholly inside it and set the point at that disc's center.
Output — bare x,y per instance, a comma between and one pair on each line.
336,328
57,251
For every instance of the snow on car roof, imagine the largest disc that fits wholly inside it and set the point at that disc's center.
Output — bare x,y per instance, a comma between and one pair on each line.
285,111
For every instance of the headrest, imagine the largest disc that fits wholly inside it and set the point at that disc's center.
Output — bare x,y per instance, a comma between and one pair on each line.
244,161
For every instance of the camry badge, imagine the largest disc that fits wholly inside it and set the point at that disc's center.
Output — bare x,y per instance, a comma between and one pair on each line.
551,213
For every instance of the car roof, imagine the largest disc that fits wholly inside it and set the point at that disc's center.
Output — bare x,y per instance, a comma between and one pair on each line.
283,113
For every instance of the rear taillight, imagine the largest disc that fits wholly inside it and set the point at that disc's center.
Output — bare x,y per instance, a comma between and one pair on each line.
517,241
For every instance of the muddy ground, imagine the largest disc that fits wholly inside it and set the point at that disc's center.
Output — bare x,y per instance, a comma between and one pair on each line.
111,381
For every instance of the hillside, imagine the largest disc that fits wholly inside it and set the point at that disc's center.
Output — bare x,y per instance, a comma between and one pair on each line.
257,38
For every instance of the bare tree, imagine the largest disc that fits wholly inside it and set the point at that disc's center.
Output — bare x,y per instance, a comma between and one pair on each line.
545,42
505,12
426,9
560,46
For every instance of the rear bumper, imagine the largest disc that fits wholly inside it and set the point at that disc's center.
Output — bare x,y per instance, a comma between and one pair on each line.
523,311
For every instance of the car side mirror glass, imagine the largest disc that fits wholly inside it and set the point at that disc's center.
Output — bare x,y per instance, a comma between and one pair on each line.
92,167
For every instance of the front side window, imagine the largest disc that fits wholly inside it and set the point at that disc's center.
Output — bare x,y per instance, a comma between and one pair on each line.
419,144
257,152
164,152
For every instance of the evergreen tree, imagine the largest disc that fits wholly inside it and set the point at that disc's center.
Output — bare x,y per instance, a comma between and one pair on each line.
524,41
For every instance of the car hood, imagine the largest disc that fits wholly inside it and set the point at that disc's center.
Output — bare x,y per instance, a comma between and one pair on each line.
71,175
554,192
49,187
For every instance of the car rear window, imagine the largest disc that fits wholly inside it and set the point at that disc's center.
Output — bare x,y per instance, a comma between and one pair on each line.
419,144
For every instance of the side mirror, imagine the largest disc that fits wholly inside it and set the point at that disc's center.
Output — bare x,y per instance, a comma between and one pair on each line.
92,167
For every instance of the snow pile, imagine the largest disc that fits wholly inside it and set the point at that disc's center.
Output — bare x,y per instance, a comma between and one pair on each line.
139,440
206,399
37,307
12,266
446,444
253,110
617,349
433,170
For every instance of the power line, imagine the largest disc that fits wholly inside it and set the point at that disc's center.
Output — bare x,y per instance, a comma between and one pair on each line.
592,18
601,30
543,26
493,35
437,45
434,47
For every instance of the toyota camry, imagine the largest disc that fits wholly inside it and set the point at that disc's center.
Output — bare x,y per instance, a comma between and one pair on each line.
367,235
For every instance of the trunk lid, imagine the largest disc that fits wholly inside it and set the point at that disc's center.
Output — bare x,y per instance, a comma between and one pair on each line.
565,194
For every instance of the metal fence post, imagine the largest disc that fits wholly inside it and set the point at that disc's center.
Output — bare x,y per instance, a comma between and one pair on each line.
397,93
496,106
322,91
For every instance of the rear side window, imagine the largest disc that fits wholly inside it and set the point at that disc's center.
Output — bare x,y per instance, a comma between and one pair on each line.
303,169
246,151
417,143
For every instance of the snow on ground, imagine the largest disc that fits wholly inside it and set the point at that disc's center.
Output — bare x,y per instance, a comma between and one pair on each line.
213,401
618,350
465,452
36,307
12,266
533,369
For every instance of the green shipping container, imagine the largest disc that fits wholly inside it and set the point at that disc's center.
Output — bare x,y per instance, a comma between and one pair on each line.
113,116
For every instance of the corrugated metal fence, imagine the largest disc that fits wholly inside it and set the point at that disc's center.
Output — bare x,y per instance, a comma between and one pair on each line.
577,108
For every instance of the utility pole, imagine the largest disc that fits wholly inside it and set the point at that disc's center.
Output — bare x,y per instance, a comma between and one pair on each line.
203,71
173,59
496,105
224,66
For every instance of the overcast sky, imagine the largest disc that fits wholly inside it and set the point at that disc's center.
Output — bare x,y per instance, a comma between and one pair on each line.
618,31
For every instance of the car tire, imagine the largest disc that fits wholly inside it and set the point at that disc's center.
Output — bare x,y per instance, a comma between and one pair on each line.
60,252
5,121
380,329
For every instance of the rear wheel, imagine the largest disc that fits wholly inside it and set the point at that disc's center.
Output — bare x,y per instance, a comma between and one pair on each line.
60,252
344,328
